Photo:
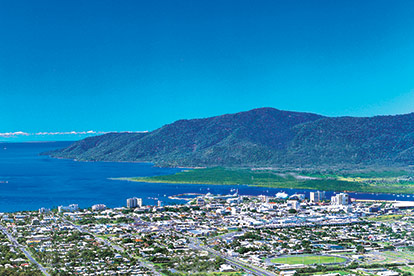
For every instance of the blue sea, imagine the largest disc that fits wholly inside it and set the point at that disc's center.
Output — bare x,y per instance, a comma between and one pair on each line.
29,181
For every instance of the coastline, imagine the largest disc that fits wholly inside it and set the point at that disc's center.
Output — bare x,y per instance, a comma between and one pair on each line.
383,190
119,161
103,161
305,182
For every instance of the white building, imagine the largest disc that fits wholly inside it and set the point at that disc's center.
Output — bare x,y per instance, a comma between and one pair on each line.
263,198
317,196
44,210
70,208
134,202
293,204
297,197
340,199
98,207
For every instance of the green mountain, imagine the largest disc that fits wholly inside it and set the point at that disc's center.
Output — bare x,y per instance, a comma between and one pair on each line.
260,137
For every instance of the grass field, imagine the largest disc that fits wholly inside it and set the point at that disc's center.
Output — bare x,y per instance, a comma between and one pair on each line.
307,260
408,268
386,218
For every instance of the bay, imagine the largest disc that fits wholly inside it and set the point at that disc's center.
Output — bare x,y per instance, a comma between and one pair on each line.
29,181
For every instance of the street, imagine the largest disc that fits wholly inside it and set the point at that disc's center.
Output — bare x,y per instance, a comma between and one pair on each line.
196,244
23,249
115,247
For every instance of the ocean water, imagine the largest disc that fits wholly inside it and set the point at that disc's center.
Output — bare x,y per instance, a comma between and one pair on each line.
29,181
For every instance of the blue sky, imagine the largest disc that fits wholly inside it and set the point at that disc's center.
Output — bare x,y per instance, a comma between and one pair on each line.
136,65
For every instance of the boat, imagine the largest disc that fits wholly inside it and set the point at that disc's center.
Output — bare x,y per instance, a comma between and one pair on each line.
154,198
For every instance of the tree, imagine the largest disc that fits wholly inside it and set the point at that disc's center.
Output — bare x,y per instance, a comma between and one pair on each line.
292,211
360,249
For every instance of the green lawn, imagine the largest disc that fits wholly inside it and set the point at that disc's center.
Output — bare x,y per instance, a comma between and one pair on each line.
386,218
310,259
407,268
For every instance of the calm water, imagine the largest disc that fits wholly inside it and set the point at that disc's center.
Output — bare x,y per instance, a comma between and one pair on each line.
29,181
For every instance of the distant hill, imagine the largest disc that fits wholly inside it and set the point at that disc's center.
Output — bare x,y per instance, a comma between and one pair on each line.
260,137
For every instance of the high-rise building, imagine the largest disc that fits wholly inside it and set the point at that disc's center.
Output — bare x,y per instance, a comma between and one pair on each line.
317,196
340,199
134,202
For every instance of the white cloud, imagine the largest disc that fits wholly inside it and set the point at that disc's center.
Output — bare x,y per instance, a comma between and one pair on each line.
70,132
89,132
12,134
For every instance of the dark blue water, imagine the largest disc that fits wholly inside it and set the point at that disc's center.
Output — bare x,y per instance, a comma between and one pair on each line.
29,181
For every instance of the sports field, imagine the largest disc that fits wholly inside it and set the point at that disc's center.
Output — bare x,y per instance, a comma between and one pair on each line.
308,259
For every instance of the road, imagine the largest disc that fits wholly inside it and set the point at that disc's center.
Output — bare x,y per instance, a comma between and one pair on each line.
227,235
196,244
115,247
23,249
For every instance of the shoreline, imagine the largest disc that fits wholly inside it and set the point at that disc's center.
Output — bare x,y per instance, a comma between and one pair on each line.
132,179
134,162
390,189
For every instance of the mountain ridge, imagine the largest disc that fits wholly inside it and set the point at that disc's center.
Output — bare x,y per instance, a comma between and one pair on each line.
259,137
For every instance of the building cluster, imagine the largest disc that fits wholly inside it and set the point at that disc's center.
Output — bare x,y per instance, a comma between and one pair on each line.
12,261
218,233
69,208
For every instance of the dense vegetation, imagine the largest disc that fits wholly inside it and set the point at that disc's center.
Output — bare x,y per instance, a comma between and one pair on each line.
283,179
260,137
